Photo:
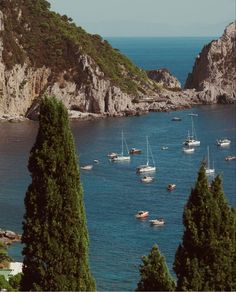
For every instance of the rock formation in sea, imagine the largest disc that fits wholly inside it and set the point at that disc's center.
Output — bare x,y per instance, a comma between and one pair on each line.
214,72
164,78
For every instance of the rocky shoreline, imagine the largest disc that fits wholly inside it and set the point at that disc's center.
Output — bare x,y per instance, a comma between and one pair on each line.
8,237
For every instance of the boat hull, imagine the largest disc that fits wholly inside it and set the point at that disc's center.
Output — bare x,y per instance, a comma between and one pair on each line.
142,169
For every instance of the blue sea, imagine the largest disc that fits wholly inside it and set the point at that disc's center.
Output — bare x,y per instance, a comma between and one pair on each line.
113,192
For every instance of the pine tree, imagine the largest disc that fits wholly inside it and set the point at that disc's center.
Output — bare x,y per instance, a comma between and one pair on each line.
154,273
54,228
204,259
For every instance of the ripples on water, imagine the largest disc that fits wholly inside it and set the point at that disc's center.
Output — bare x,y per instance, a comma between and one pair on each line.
113,192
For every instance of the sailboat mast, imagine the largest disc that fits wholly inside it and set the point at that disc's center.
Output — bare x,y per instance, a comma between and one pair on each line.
122,146
208,158
192,128
147,151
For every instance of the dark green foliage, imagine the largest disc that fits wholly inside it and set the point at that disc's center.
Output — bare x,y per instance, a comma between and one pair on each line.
154,273
4,258
204,260
15,281
50,39
54,228
4,284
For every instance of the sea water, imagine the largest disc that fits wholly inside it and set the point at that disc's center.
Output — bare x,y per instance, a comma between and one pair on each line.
113,192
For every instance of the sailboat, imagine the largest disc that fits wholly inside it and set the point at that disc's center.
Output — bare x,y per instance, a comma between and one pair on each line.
147,167
121,157
192,139
209,171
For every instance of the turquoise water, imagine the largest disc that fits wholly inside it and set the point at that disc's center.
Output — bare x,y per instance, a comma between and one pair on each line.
176,53
113,191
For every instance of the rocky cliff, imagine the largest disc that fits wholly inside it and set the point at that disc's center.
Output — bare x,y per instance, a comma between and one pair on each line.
214,71
164,78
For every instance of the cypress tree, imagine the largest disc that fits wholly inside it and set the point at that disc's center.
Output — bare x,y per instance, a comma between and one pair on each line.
54,228
154,273
204,259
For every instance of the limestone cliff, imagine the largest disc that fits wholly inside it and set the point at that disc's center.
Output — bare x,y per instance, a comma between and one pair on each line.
44,52
164,78
214,71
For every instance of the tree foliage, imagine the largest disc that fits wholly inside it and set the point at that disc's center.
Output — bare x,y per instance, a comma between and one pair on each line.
154,273
204,260
54,228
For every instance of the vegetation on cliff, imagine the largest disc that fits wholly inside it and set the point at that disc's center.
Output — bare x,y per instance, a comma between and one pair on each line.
47,38
55,234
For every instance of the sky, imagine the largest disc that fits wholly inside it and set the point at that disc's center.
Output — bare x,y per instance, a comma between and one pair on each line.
148,18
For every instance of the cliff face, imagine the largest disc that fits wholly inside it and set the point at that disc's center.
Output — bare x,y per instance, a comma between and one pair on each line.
43,52
214,71
164,78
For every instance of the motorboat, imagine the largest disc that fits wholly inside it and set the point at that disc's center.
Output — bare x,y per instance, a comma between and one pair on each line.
188,150
135,151
122,157
171,187
96,161
223,142
176,119
230,157
192,139
164,148
158,222
142,214
146,167
86,167
208,169
147,179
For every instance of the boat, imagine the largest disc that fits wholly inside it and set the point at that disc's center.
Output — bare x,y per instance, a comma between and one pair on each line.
188,150
230,157
142,214
96,161
147,179
86,167
171,187
158,222
112,155
176,119
147,167
135,151
193,114
208,169
122,157
223,142
192,139
164,148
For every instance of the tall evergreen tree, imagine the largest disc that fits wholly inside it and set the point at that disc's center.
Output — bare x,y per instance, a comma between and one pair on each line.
54,228
204,259
154,273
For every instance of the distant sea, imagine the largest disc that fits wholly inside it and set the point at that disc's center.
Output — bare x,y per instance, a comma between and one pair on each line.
174,53
113,192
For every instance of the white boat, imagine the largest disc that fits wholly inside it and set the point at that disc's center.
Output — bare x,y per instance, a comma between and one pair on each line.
223,142
158,222
147,167
193,114
142,214
171,187
96,161
192,139
135,151
147,179
122,157
164,148
86,167
112,155
208,169
176,119
188,150
230,157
